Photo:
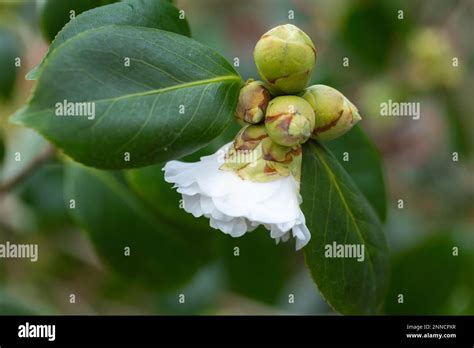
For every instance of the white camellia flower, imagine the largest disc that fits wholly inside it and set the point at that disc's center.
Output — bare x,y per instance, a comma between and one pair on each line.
236,205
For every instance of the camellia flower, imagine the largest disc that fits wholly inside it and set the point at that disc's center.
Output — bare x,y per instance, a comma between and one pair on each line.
249,182
255,180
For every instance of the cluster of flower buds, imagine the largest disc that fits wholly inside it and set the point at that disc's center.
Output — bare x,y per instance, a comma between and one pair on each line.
284,112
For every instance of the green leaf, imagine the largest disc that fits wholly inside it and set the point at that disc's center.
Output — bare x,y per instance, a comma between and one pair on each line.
149,183
430,277
162,255
9,50
56,13
337,212
364,166
158,14
255,266
174,98
369,31
43,193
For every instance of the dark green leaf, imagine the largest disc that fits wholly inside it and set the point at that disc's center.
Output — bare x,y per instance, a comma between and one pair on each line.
149,183
175,97
56,13
370,30
337,212
43,193
260,269
428,276
158,14
9,50
161,255
363,165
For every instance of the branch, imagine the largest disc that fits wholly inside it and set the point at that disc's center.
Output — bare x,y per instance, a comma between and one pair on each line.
37,162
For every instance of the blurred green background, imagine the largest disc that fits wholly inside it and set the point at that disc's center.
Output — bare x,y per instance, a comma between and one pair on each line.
399,50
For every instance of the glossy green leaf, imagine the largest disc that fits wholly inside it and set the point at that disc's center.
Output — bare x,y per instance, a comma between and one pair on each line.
56,13
162,255
158,14
9,50
337,212
364,165
174,98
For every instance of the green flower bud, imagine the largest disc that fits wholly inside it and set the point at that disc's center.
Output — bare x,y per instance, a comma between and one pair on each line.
245,147
254,156
289,120
249,137
273,162
335,114
285,58
253,102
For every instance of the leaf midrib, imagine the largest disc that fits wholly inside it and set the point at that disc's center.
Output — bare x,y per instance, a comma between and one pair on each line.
157,91
343,200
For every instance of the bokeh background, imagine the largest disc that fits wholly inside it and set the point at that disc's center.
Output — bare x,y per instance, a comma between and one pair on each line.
407,51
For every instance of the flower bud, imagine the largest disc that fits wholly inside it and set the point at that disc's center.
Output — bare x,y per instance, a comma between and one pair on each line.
289,120
254,156
243,150
334,113
272,162
249,137
253,101
285,57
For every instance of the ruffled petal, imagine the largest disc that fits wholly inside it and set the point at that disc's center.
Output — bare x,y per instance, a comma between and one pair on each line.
236,206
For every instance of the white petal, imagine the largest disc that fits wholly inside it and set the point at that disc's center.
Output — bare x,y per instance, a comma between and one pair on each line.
192,205
302,235
235,227
236,206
